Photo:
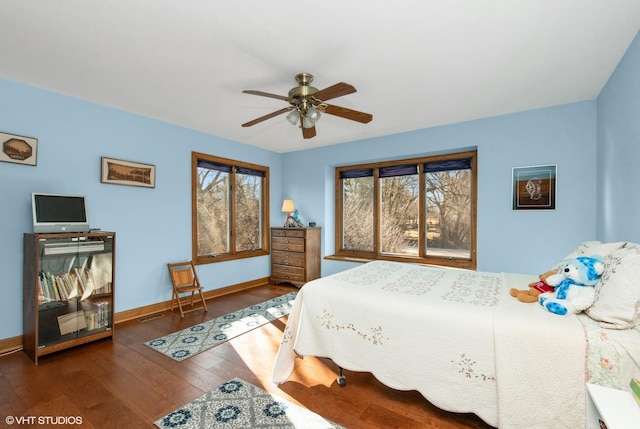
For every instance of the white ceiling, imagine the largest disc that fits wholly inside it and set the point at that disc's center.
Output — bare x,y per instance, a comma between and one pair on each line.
415,63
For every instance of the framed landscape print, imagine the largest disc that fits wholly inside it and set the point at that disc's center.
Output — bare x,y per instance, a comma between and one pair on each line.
534,188
119,172
18,149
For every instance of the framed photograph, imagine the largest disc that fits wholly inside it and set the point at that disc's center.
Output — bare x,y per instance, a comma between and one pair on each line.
534,188
119,172
18,149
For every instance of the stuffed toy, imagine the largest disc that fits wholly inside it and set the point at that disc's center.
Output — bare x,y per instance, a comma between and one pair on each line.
574,285
535,289
296,218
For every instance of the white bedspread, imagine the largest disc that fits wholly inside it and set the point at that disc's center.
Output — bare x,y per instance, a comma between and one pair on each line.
456,336
541,360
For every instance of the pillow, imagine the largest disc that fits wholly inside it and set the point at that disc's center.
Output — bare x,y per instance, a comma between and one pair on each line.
617,302
630,245
591,248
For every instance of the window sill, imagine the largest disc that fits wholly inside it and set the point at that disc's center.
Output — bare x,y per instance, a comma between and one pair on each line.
201,260
441,262
348,258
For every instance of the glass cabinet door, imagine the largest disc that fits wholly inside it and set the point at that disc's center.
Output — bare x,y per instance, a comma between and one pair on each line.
75,288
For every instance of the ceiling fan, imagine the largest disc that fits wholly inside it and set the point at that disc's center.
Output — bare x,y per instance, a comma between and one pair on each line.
307,103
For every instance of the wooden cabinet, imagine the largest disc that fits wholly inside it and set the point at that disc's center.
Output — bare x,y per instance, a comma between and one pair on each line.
68,289
295,255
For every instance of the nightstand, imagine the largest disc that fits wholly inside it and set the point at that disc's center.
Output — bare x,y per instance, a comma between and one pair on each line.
616,408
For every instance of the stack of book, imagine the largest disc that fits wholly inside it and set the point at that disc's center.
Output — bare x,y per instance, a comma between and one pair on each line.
78,282
635,389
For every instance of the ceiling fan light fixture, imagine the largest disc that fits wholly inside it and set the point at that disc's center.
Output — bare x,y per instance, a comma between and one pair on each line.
293,116
307,104
307,122
313,114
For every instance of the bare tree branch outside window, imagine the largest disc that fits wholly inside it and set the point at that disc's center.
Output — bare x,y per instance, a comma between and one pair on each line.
230,201
424,211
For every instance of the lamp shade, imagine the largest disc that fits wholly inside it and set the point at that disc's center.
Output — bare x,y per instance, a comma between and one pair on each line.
307,123
313,114
287,206
293,117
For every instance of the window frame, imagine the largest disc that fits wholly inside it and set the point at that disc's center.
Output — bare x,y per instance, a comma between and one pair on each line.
422,258
232,254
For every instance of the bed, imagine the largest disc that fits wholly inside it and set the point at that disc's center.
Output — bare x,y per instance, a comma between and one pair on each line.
458,338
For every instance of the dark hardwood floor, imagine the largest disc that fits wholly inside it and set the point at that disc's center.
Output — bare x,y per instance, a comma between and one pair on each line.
122,383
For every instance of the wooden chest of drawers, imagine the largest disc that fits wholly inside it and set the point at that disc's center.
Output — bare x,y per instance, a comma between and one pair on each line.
295,255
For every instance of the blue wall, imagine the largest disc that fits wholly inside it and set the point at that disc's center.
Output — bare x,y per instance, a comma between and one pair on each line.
619,151
594,144
153,226
514,241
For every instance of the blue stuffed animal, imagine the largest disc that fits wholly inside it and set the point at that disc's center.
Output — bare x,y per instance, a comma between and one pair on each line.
574,285
296,218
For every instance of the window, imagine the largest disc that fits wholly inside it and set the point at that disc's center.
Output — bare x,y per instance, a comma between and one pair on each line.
420,210
230,209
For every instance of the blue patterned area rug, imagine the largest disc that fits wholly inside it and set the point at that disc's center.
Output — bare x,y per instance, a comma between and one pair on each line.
191,341
238,404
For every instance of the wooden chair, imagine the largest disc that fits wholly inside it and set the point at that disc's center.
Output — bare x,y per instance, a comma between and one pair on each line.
185,281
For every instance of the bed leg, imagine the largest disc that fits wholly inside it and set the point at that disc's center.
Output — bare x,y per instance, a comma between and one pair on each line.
341,378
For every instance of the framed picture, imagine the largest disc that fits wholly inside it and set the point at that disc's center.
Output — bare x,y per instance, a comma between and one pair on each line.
534,188
18,149
119,172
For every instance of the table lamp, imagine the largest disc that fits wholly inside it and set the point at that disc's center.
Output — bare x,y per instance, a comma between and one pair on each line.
288,207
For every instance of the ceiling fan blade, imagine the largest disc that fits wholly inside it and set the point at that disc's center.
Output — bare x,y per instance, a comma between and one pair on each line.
334,91
265,117
265,94
343,112
308,133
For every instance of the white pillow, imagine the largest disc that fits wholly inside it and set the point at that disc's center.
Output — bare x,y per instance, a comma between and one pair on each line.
630,245
591,248
617,302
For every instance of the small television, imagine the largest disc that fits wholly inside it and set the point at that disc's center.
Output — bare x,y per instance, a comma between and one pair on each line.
59,213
